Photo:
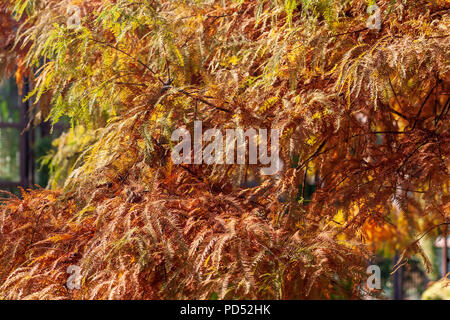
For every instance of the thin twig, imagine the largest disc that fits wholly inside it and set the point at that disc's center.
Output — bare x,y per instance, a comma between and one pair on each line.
398,101
127,54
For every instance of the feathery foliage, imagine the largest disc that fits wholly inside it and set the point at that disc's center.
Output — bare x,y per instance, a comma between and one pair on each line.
363,114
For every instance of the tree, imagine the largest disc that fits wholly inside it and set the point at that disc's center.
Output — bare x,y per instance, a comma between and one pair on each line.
363,115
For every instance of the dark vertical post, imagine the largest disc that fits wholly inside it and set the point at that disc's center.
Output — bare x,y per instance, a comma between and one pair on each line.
26,165
398,282
444,253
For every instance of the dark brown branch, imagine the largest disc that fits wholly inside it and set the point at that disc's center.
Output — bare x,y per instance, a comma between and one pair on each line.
203,101
349,32
316,153
423,104
410,155
398,101
446,106
131,84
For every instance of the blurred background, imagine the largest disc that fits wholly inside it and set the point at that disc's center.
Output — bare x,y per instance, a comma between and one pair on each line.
22,149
